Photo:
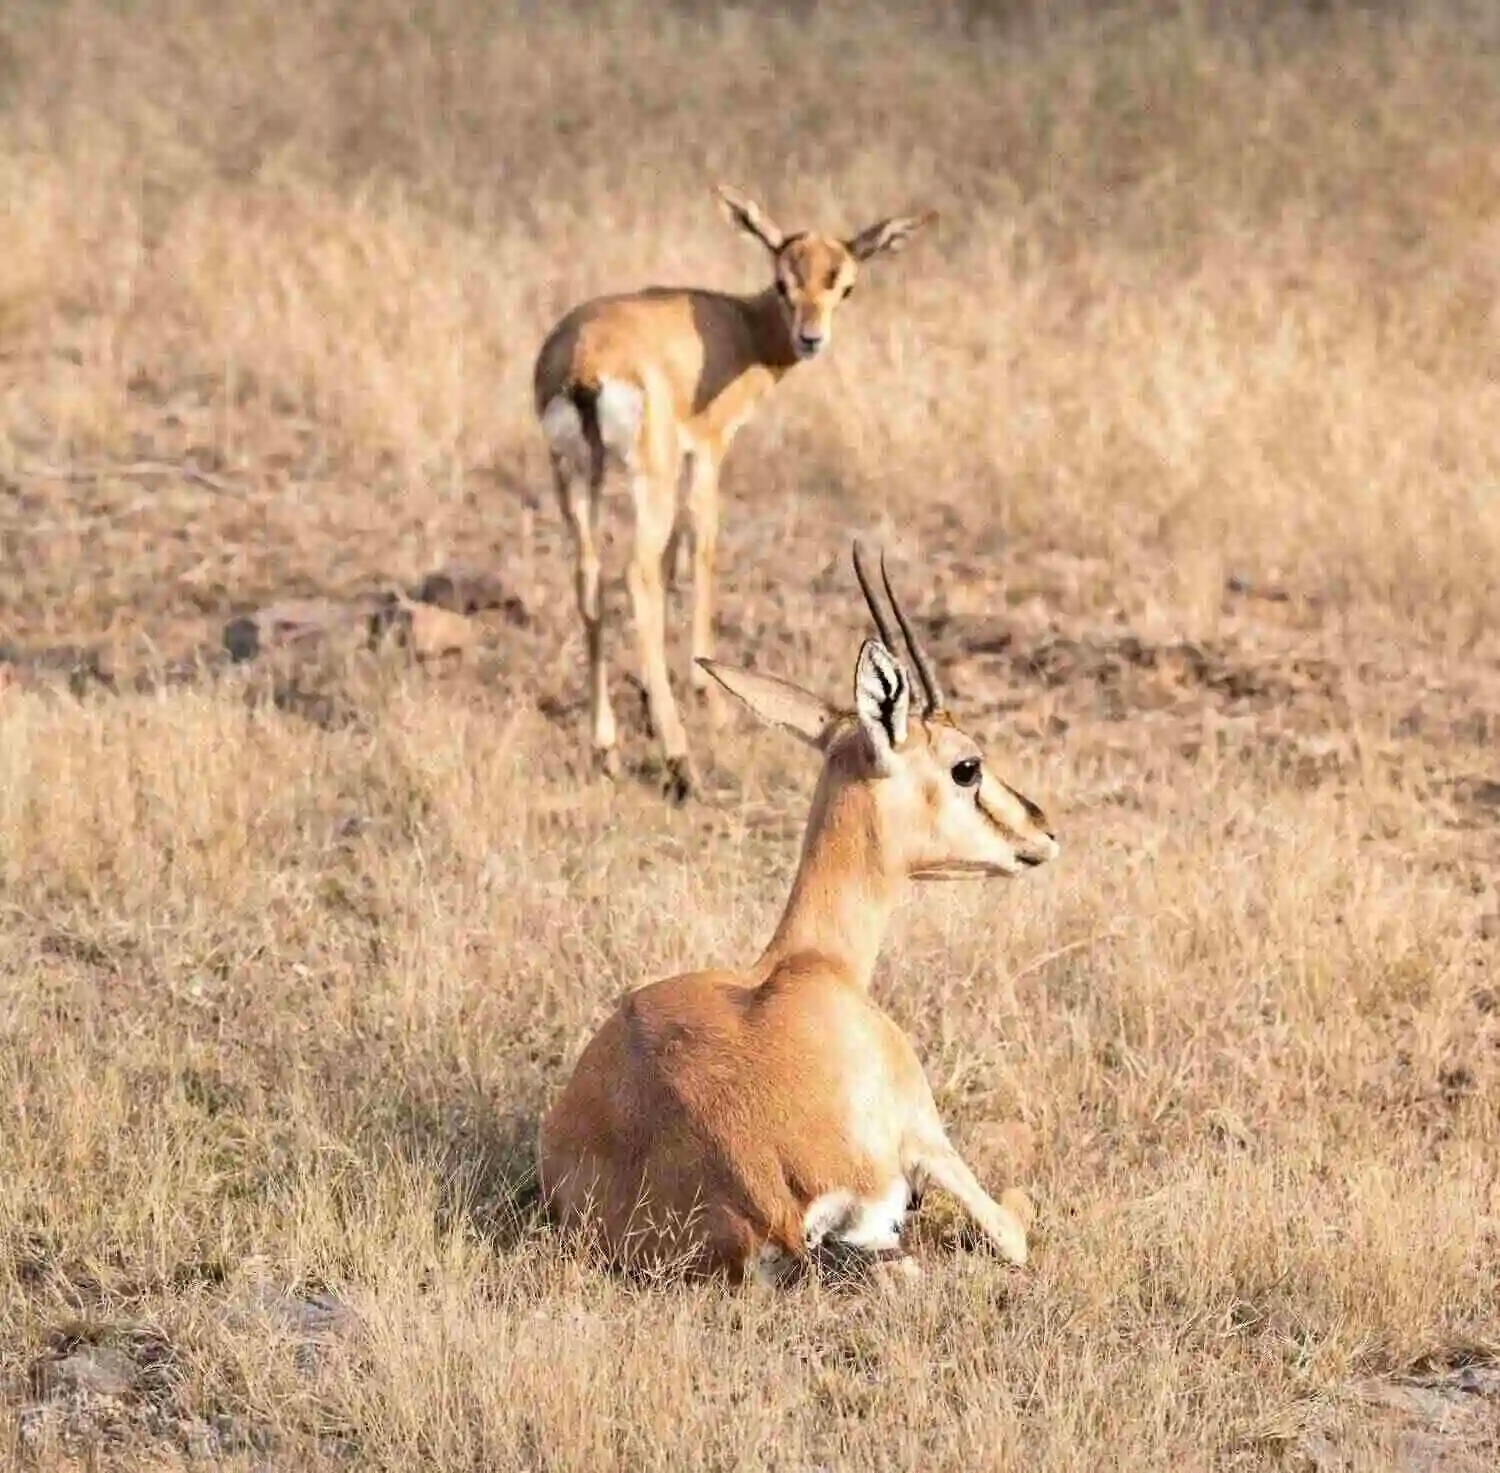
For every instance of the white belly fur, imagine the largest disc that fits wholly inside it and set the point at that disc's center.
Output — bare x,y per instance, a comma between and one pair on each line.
870,1223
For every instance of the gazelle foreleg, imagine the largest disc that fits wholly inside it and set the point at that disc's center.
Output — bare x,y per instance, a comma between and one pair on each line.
938,1164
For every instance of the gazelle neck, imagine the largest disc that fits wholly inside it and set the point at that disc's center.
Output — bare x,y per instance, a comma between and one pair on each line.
773,338
845,889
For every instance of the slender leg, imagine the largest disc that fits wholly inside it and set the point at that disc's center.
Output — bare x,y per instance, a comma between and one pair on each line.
1002,1225
579,502
653,494
703,511
671,559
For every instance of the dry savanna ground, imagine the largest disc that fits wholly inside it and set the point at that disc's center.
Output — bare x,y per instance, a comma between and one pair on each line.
1183,428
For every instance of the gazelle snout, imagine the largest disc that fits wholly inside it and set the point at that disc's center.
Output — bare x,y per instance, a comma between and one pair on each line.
1036,842
811,322
809,341
1018,824
1044,848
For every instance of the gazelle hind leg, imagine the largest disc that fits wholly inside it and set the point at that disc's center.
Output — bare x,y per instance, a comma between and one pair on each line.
680,537
580,502
653,497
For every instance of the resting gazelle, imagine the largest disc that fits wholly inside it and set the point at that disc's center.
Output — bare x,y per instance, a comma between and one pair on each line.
655,381
743,1122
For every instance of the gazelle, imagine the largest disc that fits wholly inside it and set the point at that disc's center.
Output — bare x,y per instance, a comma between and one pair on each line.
742,1121
662,379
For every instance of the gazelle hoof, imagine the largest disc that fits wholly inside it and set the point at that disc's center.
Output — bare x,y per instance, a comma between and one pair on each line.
1015,1201
1008,1237
711,701
607,762
678,782
648,726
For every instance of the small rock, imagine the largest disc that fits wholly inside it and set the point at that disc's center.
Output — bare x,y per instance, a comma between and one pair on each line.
436,631
425,629
242,637
77,666
316,1314
33,1423
295,624
466,590
201,1442
1478,1380
99,1370
237,1434
313,1320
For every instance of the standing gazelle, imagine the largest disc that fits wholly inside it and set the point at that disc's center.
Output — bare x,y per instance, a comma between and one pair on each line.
666,376
737,1121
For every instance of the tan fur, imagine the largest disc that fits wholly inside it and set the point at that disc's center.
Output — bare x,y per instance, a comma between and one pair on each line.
699,363
713,1109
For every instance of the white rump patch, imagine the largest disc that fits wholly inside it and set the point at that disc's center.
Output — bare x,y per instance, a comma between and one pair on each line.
870,1223
621,409
562,425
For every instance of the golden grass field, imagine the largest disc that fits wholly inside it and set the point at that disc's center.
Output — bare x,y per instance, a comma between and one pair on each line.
1183,430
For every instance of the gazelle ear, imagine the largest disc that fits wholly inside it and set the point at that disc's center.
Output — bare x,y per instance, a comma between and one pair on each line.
886,237
777,702
882,697
750,218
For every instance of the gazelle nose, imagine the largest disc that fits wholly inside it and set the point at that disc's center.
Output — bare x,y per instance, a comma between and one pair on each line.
1040,852
809,342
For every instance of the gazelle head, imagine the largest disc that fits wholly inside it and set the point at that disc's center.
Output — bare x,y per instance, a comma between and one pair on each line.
815,273
941,811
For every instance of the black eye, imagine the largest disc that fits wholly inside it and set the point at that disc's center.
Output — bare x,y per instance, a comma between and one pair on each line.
966,773
848,288
782,289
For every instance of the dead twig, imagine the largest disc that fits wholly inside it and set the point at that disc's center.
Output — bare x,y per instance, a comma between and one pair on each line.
135,470
1048,957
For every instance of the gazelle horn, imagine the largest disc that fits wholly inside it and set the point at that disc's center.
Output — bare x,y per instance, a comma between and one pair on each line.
931,692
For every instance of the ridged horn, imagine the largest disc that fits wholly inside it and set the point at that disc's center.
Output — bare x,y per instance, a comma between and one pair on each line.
932,694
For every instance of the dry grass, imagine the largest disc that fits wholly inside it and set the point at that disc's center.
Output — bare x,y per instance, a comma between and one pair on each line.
284,985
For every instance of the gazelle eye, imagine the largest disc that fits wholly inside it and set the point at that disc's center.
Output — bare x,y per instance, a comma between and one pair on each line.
782,289
849,288
966,773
